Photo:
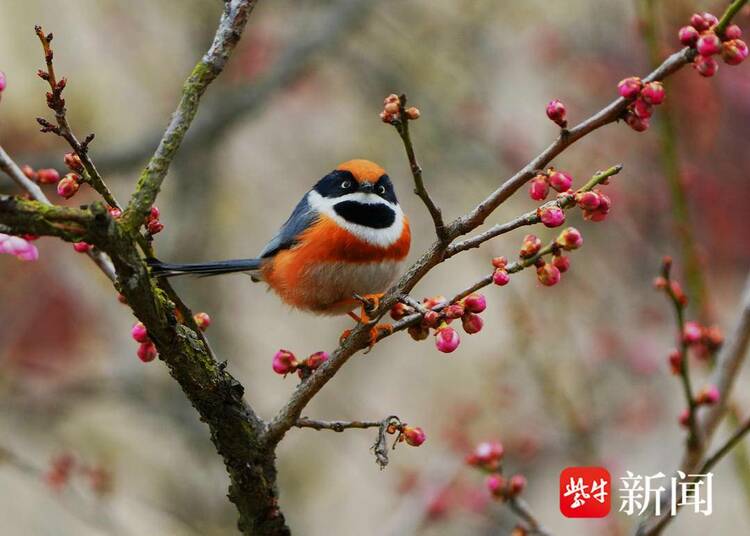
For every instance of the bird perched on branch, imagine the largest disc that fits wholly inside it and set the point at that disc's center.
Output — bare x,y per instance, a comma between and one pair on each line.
341,247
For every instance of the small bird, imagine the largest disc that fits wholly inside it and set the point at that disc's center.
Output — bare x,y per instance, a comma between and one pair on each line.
342,246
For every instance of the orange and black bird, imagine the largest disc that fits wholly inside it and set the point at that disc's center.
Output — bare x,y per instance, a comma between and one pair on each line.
345,239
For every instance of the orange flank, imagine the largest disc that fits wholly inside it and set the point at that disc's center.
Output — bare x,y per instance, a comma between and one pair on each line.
363,170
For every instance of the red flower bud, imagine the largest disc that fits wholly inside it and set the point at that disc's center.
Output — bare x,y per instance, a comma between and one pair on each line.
114,212
675,362
653,93
548,275
684,418
499,262
139,333
487,454
472,323
630,88
560,181
500,277
475,303
692,332
431,319
68,185
418,332
316,359
154,227
447,339
688,36
3,81
639,124
202,320
733,52
47,176
284,362
29,172
551,216
391,108
73,161
391,98
516,485
434,301
82,247
708,44
538,188
733,32
556,112
705,66
147,351
495,485
708,396
400,310
588,200
412,113
414,436
561,262
530,246
642,109
453,311
700,23
570,239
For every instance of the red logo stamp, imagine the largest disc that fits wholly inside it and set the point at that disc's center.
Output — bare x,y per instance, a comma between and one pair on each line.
585,492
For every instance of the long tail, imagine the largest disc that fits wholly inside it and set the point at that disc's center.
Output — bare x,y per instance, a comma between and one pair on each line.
163,269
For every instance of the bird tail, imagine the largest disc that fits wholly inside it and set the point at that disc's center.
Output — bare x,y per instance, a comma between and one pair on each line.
163,269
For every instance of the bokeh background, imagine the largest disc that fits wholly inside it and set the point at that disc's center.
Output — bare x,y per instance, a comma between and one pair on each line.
570,375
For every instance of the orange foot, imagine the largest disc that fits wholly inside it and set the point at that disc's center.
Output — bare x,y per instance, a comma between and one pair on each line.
370,302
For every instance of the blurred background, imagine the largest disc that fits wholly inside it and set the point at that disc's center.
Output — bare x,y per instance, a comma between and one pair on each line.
576,374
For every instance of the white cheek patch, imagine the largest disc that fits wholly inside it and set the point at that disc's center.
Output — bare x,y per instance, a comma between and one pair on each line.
378,237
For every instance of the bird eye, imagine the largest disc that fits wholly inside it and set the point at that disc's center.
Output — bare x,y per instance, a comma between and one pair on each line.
381,189
346,184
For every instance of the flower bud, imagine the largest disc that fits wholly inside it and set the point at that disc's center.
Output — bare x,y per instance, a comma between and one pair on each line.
29,172
698,22
705,66
386,117
708,44
530,246
418,332
538,188
475,303
570,239
653,93
391,98
556,112
316,359
412,113
639,124
434,301
146,351
447,339
47,176
114,212
391,108
734,52
560,181
561,262
284,362
692,332
708,396
139,333
400,310
472,323
68,185
82,247
414,436
73,161
499,262
688,36
642,109
154,227
500,277
453,311
675,362
551,216
684,418
630,88
431,319
495,485
516,485
202,320
733,32
548,275
3,82
713,338
19,247
588,200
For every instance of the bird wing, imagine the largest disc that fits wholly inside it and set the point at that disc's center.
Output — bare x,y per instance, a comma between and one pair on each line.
302,217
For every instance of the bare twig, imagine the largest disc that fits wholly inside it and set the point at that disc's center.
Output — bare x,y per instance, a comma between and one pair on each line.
336,426
522,510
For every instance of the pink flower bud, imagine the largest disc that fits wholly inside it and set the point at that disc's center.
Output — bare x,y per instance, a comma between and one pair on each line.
495,485
447,339
202,320
499,262
630,88
414,436
708,396
29,172
153,214
500,277
705,66
698,22
560,181
692,332
19,247
431,319
516,485
139,333
82,247
47,176
684,418
418,332
154,227
475,303
73,161
68,185
639,124
653,93
412,113
530,246
556,112
734,52
316,359
642,109
710,19
434,301
708,44
114,212
146,351
588,200
3,81
391,108
548,275
688,36
675,362
733,32
538,188
487,454
453,311
284,362
400,310
570,239
472,323
551,216
561,262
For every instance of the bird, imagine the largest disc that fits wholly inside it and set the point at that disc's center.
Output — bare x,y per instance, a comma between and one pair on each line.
342,246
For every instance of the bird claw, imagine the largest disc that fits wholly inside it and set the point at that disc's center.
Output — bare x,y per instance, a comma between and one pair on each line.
375,334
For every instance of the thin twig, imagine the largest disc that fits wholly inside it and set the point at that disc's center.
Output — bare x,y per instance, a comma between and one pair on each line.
522,510
336,426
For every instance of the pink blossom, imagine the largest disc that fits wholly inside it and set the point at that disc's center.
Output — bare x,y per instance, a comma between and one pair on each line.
630,88
560,180
500,277
552,216
475,303
556,112
21,248
538,188
284,362
653,93
447,340
688,36
708,44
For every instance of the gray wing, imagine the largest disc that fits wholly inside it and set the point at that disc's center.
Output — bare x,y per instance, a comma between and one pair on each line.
302,217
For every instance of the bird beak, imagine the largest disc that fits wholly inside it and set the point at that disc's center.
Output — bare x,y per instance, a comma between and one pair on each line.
367,187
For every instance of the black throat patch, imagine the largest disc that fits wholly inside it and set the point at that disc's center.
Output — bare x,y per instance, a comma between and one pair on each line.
377,216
